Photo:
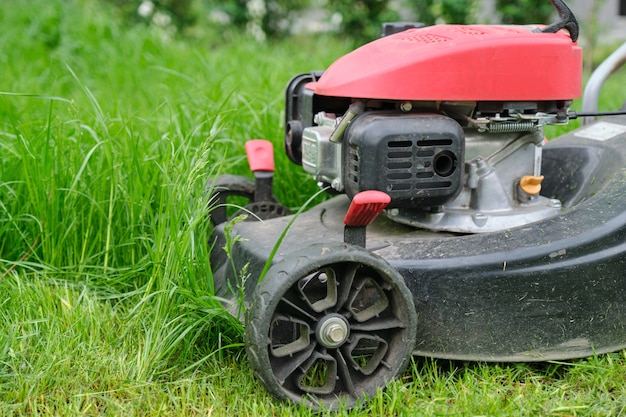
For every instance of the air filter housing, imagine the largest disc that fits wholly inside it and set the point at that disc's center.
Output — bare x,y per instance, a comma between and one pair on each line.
415,158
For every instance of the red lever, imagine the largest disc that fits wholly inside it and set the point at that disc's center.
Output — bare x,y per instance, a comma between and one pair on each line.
365,207
260,154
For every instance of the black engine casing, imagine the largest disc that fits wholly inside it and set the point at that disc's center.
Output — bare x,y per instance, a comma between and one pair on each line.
415,158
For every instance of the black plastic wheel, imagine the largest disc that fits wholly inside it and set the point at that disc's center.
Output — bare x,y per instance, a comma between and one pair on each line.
224,187
330,324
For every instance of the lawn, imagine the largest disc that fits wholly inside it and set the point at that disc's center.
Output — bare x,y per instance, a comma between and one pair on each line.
109,134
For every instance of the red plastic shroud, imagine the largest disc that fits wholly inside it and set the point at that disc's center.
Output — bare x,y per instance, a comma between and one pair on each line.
455,62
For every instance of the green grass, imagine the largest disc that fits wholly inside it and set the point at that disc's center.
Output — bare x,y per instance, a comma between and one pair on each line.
108,136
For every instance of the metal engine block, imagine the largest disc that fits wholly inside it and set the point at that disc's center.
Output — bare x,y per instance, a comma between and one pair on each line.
456,167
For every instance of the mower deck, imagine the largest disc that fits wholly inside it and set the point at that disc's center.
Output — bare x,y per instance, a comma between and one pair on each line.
550,290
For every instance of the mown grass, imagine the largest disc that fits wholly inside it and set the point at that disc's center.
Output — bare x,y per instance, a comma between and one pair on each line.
108,136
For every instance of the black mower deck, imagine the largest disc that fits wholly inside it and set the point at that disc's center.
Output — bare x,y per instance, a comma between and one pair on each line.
551,290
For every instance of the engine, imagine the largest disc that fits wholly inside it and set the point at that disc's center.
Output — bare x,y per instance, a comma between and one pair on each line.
458,148
415,158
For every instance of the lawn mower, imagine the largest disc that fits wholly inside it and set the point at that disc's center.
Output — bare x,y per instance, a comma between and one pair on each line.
454,229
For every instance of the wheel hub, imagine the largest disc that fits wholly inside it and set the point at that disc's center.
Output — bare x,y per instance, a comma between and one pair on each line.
333,331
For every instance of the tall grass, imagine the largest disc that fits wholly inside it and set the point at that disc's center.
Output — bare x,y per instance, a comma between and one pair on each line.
109,134
108,137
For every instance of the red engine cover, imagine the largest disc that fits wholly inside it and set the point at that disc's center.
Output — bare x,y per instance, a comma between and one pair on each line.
453,62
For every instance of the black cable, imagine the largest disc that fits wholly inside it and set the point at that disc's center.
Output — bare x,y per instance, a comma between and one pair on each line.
574,115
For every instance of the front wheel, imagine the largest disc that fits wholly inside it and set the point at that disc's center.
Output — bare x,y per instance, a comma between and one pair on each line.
330,324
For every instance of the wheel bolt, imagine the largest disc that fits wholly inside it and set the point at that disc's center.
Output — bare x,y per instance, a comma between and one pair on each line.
333,331
336,333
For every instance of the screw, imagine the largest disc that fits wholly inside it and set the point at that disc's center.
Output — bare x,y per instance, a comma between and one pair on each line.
406,106
554,203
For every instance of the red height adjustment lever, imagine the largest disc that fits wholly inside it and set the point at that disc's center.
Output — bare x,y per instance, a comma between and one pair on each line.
264,205
260,155
364,208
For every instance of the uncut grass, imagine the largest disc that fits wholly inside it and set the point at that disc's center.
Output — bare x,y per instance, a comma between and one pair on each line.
108,136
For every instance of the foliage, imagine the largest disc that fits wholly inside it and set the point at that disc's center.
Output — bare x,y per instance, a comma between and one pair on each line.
456,11
359,19
425,11
591,29
519,12
260,18
362,19
181,13
445,11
